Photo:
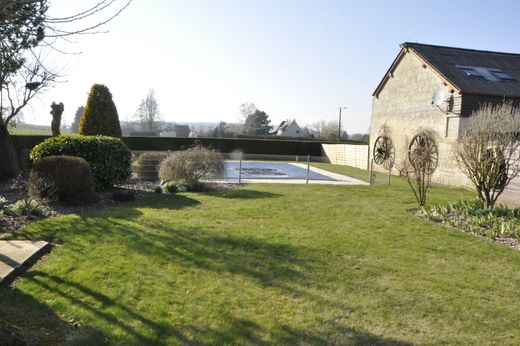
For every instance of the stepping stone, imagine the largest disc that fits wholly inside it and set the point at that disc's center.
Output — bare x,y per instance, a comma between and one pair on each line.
14,253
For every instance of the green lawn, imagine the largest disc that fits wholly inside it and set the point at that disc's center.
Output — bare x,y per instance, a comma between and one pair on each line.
268,264
30,130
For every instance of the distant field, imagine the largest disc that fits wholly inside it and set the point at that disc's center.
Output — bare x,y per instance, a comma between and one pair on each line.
30,130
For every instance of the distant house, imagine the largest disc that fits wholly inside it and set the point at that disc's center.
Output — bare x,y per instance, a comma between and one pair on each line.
287,128
176,131
437,88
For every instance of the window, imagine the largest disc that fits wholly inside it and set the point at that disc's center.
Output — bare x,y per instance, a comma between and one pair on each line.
472,72
501,74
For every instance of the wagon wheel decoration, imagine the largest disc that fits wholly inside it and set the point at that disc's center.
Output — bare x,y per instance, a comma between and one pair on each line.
384,152
423,152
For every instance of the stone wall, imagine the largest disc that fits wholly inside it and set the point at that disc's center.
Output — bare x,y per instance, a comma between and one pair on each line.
354,155
404,107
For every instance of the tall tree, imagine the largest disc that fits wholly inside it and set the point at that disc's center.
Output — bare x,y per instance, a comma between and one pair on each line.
258,124
100,115
148,111
74,127
245,109
221,130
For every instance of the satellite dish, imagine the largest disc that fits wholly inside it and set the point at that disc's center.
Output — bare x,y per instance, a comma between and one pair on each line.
438,98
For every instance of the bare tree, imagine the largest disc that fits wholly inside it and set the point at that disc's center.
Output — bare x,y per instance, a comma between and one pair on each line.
25,28
489,153
245,109
148,111
422,161
15,94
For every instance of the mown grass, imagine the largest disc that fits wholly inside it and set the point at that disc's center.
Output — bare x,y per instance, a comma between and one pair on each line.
268,264
30,130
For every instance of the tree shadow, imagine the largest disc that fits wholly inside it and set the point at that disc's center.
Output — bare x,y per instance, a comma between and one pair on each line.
26,321
267,263
288,269
66,289
243,194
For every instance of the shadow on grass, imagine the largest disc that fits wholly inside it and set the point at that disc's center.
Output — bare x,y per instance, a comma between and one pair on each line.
287,268
26,321
243,194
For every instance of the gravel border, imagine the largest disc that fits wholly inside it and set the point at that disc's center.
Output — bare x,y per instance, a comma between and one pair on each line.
140,189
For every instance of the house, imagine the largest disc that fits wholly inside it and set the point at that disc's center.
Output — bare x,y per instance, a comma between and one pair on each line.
176,131
287,128
437,88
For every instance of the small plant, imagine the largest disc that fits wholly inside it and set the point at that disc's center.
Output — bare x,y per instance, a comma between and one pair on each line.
3,202
158,189
26,207
191,165
174,187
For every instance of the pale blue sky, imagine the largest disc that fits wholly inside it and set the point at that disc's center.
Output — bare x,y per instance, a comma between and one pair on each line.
293,59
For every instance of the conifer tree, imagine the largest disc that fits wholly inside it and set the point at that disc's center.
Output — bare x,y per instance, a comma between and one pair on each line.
100,114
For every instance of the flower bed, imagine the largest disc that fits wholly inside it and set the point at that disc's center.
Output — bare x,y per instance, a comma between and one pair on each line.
499,224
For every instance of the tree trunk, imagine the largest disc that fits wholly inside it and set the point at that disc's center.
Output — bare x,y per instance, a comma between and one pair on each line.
10,167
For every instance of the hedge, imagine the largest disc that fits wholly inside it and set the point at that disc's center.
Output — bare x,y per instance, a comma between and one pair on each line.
108,157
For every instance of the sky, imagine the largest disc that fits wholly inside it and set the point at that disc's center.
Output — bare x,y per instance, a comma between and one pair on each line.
292,58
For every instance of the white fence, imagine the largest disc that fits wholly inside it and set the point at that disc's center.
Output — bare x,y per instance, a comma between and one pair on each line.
354,155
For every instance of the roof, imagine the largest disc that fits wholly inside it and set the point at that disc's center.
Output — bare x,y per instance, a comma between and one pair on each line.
448,63
284,125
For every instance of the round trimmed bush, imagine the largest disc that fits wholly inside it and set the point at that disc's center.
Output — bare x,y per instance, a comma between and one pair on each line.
191,165
108,157
65,178
147,164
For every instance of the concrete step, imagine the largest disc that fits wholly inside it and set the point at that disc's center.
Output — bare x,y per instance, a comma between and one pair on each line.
14,253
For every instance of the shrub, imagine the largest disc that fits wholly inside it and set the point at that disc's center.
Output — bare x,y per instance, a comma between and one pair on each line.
100,114
191,165
147,165
108,157
174,187
66,178
158,189
25,207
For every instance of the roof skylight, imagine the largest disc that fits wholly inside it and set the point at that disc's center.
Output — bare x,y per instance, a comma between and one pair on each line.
472,72
501,74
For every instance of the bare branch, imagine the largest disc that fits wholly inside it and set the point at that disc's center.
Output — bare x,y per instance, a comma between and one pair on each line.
489,153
